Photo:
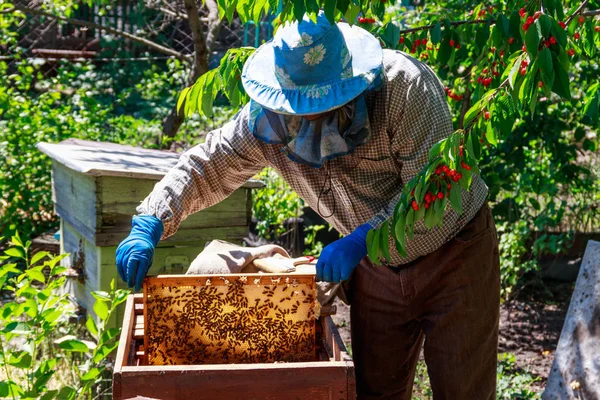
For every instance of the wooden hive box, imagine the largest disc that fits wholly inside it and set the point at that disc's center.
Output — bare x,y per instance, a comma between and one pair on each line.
330,378
96,188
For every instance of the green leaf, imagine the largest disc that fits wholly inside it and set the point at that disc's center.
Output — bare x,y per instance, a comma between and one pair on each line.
102,352
410,218
545,25
429,218
38,256
473,145
35,275
93,373
330,10
69,343
445,51
299,9
15,252
545,63
592,103
373,248
515,24
482,35
101,295
384,240
561,80
436,33
20,359
401,233
10,389
101,309
91,325
436,149
490,134
456,198
532,39
66,393
391,34
182,97
18,328
559,34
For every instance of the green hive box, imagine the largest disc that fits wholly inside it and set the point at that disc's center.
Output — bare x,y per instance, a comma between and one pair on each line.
95,189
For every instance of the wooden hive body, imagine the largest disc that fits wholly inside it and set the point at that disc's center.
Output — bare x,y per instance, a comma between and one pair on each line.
331,376
96,188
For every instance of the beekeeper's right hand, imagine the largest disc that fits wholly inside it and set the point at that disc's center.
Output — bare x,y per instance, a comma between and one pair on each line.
136,251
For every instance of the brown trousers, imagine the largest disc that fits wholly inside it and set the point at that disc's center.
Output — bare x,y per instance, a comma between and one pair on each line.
449,301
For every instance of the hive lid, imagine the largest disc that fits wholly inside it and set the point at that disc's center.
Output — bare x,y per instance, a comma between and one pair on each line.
111,159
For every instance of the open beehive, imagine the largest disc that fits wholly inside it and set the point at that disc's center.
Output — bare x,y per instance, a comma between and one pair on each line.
329,377
209,319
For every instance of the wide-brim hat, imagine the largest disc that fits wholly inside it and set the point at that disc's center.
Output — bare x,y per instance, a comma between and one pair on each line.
312,67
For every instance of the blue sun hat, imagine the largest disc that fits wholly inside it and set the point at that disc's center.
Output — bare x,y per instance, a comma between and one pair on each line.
311,68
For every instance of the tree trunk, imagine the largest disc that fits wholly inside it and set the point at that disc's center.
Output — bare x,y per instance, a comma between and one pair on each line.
202,47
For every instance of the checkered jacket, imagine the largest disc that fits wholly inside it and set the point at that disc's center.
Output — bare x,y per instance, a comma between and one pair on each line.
407,116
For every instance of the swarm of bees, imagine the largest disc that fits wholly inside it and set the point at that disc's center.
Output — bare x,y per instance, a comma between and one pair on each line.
231,319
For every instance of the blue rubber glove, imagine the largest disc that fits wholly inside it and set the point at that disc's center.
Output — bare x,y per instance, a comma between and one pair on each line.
338,259
135,253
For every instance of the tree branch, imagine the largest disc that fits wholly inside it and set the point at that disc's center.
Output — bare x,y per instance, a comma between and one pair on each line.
214,24
137,39
581,6
200,51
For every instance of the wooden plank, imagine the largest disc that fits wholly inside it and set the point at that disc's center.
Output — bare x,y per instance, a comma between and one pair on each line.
189,237
126,334
122,195
314,381
110,159
74,197
200,280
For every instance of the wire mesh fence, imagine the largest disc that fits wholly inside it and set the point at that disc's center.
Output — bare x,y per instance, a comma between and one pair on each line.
161,22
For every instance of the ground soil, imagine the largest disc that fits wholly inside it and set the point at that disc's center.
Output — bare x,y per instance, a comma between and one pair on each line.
530,325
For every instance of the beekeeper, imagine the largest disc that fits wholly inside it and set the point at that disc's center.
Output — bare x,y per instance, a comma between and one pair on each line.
347,124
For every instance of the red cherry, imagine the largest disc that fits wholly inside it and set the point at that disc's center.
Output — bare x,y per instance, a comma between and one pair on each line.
465,166
525,27
401,40
418,42
461,150
530,20
445,169
511,40
485,70
562,24
597,28
427,205
428,197
438,170
524,48
540,84
440,195
581,19
576,35
452,173
537,14
524,63
571,52
424,41
486,115
449,186
452,42
522,12
552,40
523,71
457,46
415,205
361,20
